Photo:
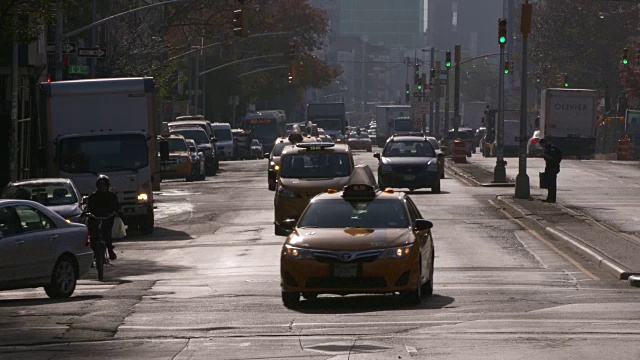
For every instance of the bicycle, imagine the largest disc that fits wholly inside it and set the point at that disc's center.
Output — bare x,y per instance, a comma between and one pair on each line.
98,245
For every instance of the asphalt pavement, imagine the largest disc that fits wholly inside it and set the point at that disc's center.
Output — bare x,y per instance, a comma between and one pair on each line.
205,285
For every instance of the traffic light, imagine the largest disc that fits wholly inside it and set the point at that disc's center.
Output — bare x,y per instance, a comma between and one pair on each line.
625,56
423,80
292,72
507,67
407,94
447,62
432,76
416,77
566,81
300,69
240,27
502,32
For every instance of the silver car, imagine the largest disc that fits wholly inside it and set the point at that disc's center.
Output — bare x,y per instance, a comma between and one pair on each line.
533,145
59,195
40,248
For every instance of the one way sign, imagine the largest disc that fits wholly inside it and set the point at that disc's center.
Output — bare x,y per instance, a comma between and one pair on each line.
92,52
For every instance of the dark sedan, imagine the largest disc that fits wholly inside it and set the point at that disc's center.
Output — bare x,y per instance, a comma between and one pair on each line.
408,162
59,195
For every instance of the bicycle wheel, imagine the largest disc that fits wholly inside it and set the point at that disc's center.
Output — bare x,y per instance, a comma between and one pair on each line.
99,254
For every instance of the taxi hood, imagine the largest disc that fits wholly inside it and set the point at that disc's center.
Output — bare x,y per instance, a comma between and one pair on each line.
349,239
314,185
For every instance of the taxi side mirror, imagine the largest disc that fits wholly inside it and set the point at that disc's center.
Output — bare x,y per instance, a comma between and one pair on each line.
422,225
376,155
85,200
289,224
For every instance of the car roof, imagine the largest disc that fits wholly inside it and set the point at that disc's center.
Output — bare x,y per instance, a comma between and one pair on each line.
336,148
42,181
408,138
186,122
186,127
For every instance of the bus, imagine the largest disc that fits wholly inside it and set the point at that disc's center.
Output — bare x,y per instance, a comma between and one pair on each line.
266,126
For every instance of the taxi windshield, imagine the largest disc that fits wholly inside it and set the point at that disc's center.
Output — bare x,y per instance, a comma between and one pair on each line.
277,149
339,213
315,165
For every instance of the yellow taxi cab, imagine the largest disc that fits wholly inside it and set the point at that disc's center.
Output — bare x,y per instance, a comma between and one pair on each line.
274,158
180,164
308,169
358,240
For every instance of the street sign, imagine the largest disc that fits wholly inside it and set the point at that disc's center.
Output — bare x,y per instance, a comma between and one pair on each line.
92,52
79,69
67,48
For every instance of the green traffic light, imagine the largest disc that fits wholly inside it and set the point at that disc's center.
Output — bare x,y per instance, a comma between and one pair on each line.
448,64
419,87
506,71
566,84
538,81
503,40
625,61
408,92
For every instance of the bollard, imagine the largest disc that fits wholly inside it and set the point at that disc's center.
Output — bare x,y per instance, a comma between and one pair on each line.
459,151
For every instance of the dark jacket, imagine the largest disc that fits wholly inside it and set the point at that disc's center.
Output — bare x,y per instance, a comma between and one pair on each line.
552,158
103,203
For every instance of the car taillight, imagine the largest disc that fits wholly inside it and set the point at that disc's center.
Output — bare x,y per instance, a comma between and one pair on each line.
87,243
534,140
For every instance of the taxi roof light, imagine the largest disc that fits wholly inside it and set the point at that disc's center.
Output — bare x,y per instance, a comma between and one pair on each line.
315,146
389,191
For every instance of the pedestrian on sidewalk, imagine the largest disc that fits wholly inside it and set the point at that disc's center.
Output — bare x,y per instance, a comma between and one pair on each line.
552,157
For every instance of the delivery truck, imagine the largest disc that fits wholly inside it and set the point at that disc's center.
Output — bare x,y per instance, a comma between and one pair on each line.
331,117
473,114
104,126
568,120
391,119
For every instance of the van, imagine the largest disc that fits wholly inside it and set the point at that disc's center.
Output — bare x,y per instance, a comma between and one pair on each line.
224,135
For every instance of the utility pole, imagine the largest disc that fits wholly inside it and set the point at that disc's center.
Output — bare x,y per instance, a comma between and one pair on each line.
447,66
94,61
436,129
14,112
59,41
522,180
456,89
197,82
500,171
431,117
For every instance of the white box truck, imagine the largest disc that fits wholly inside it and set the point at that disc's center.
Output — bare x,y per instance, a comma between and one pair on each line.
386,118
568,120
473,114
104,126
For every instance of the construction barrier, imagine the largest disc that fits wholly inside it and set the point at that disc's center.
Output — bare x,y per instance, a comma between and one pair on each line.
625,149
459,151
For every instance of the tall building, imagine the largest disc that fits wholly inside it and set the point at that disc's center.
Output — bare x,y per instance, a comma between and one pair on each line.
394,24
471,23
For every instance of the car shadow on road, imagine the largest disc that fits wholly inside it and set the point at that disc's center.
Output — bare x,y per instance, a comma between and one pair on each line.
22,302
159,234
369,303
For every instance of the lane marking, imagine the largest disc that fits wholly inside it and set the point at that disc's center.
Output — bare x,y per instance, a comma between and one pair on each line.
553,247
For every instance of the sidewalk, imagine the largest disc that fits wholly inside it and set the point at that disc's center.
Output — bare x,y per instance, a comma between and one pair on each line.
612,250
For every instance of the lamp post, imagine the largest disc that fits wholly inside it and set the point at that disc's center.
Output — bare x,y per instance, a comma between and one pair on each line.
522,180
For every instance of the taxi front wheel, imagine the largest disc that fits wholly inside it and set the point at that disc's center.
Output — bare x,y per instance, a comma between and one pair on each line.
290,299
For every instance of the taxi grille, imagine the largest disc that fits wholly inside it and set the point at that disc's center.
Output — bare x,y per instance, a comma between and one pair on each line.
346,256
342,283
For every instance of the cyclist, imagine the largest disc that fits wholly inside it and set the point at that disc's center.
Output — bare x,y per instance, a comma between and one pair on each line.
103,203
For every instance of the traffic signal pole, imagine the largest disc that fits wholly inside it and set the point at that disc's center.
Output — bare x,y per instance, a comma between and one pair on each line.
436,125
522,180
500,171
431,118
456,95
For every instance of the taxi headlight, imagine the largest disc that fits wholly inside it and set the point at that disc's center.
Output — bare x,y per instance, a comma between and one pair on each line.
397,253
143,198
286,192
296,253
276,168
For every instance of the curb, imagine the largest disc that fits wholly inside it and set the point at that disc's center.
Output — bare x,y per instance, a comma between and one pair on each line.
603,262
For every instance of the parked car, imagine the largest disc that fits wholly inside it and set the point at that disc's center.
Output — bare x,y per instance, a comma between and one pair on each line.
198,170
209,148
436,147
59,195
180,163
40,248
533,145
224,135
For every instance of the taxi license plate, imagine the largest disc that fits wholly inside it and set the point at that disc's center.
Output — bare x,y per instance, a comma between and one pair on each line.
409,177
345,270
